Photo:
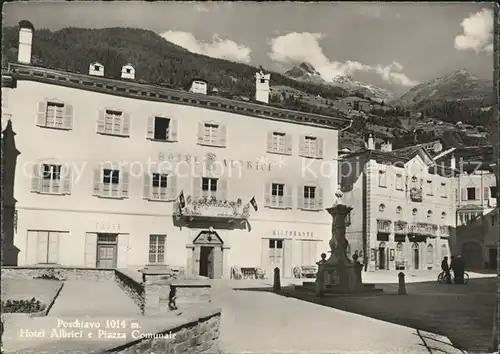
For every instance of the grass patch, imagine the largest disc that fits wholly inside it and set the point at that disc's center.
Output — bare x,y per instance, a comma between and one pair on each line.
26,289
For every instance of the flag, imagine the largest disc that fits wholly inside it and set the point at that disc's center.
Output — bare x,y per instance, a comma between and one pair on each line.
182,201
254,203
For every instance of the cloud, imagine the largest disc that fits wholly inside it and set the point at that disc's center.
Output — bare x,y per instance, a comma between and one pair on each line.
477,32
216,48
304,47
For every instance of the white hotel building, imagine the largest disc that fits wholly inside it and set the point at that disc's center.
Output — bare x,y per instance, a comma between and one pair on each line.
69,207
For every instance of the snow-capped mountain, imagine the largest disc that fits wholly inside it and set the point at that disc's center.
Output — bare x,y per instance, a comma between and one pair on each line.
460,85
307,72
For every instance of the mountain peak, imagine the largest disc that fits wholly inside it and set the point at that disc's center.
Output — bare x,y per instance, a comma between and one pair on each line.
307,67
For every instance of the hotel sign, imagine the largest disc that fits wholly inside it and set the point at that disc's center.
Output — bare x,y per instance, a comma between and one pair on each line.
210,161
292,233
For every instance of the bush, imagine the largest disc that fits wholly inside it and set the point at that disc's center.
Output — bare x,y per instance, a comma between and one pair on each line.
50,274
22,306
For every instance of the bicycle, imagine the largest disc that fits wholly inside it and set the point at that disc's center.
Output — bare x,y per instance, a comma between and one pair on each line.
442,279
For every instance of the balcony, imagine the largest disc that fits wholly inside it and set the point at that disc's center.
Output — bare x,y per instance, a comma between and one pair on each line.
421,231
211,210
383,230
416,194
444,231
400,231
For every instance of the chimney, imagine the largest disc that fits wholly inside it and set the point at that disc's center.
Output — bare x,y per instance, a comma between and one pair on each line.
26,30
262,88
386,146
370,144
438,147
453,163
96,69
128,72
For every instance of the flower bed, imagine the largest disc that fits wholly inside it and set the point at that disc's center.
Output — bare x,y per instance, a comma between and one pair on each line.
29,295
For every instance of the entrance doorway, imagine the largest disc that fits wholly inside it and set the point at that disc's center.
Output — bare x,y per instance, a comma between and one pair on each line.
106,250
207,261
492,262
416,256
207,255
382,256
275,256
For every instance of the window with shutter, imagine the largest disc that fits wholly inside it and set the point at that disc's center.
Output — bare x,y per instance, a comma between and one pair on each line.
309,197
57,115
212,134
172,187
36,180
113,122
124,181
51,179
197,182
67,175
310,148
209,188
159,128
107,184
278,143
48,247
277,198
486,193
300,197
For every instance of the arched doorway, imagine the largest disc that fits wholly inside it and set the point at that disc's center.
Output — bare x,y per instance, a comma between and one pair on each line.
400,261
416,255
382,256
430,256
207,254
473,255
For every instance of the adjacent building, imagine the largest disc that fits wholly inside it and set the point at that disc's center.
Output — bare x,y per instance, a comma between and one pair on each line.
403,206
114,173
477,219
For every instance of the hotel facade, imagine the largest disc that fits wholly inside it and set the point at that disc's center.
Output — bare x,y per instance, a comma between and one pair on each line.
113,173
404,206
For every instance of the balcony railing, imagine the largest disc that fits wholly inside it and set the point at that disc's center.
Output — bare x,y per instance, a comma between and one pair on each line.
444,231
423,229
416,194
401,227
206,207
384,226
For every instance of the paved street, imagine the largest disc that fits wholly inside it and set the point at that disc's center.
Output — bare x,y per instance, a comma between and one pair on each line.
263,322
463,313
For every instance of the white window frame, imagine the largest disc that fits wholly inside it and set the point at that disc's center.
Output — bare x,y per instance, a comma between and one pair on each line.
382,178
122,187
172,131
51,185
399,182
65,117
429,187
217,134
308,202
160,192
444,193
278,142
51,234
210,194
120,125
54,186
156,241
277,201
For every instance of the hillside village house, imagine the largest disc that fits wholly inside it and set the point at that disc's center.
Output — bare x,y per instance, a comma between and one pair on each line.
114,173
477,219
404,207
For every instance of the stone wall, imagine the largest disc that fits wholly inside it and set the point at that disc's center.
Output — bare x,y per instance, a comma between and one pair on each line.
132,288
61,272
198,334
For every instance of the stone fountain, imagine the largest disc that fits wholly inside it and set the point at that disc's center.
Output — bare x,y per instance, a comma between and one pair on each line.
339,273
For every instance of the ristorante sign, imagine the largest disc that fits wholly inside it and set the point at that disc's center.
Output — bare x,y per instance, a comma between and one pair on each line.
211,162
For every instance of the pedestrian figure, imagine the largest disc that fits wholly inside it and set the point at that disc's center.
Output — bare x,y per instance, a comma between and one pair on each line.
460,269
446,269
453,266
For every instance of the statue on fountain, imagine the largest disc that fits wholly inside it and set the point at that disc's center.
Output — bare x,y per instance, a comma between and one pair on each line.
338,270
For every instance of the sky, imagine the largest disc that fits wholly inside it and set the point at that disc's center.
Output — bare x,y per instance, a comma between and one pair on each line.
391,45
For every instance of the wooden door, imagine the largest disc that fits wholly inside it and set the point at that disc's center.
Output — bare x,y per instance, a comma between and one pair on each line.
416,256
207,261
106,256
